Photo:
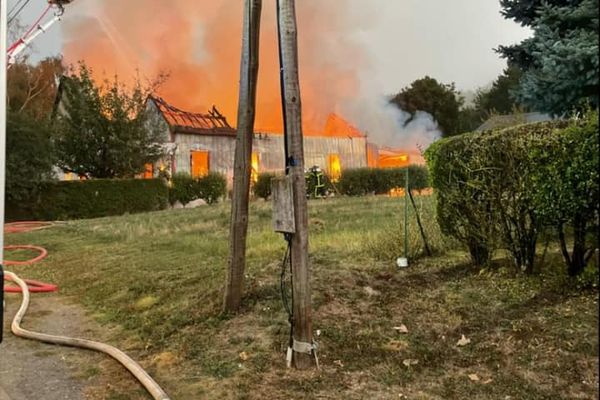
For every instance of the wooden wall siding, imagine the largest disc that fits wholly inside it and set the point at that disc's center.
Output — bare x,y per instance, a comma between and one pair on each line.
352,152
221,149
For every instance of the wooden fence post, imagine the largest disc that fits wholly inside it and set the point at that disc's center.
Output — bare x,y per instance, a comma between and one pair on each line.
302,309
243,154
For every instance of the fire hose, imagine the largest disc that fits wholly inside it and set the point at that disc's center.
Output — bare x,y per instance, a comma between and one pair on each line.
141,375
22,227
23,286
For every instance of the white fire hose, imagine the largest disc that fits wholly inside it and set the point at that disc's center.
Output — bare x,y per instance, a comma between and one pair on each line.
133,367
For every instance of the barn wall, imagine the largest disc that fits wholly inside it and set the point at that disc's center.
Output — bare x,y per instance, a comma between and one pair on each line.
220,148
270,149
352,152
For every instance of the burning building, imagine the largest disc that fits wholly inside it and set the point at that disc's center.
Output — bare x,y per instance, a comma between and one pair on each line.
200,143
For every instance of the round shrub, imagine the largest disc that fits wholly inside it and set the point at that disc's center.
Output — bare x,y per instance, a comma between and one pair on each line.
182,189
211,188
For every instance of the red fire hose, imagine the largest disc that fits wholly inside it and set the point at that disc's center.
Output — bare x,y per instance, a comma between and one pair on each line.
22,227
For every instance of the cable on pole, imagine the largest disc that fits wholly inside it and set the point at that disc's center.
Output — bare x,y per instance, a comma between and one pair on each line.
11,19
288,304
14,7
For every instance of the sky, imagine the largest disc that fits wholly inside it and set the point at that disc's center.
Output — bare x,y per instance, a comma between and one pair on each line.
353,53
452,41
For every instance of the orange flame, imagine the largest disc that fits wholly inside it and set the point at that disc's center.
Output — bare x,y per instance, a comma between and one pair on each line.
199,41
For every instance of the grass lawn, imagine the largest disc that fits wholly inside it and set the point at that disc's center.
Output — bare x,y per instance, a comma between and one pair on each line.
159,277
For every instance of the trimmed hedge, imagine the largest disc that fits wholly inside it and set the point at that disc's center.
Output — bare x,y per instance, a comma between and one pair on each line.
185,189
364,181
496,189
357,182
91,199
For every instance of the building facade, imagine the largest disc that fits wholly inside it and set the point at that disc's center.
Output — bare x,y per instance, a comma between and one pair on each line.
203,143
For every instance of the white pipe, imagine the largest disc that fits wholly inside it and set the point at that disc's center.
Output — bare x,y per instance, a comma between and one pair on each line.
133,367
3,65
24,42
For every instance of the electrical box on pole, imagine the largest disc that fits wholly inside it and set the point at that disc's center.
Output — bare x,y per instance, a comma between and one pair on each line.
283,205
302,347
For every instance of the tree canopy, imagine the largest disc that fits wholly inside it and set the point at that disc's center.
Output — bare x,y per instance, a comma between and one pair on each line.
526,12
440,100
104,131
29,156
32,88
560,61
500,98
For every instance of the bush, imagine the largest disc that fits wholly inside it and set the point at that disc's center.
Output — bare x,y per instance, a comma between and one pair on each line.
497,189
185,189
30,156
463,210
211,188
91,199
363,181
262,186
182,189
565,187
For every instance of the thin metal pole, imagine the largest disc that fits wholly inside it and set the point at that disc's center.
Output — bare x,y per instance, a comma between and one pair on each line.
406,189
3,59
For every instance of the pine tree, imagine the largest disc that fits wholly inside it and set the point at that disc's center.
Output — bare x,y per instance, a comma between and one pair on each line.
560,61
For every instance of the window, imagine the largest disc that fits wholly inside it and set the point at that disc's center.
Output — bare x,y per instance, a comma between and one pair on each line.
334,167
149,171
199,163
255,165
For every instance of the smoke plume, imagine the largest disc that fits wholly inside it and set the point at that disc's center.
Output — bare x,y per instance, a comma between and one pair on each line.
198,42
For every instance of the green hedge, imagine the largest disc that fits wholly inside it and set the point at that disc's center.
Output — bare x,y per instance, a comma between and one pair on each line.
498,189
364,181
91,199
185,189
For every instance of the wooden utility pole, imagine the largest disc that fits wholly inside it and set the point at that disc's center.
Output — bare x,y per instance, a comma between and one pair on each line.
292,111
243,154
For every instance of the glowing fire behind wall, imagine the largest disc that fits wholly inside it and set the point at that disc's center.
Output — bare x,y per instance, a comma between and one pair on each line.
199,42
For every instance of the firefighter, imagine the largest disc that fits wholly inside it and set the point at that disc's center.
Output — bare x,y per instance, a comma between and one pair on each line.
315,182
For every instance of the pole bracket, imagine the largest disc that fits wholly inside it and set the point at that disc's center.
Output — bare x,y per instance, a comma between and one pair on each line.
307,348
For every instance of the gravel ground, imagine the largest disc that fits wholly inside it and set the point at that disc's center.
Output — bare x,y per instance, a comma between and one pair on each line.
31,370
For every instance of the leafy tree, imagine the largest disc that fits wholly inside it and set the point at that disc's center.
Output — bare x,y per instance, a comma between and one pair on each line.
32,88
560,62
104,131
500,97
29,156
442,101
469,119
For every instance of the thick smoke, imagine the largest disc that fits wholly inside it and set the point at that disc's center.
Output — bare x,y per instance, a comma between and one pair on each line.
387,125
198,43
